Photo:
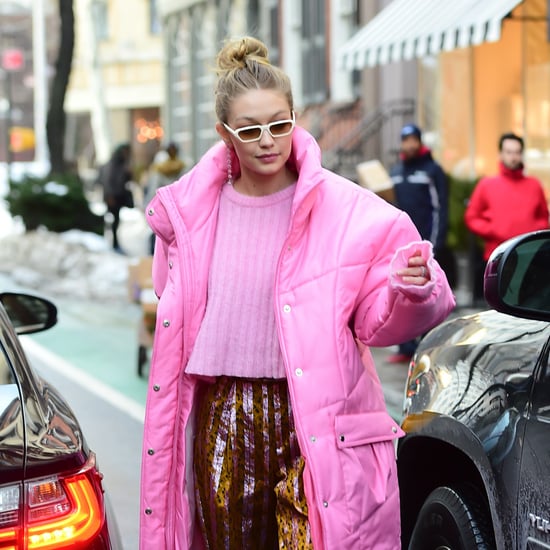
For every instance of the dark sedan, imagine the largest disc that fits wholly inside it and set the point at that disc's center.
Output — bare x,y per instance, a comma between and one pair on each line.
51,494
474,467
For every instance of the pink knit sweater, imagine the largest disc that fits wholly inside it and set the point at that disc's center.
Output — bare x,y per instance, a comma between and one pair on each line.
238,335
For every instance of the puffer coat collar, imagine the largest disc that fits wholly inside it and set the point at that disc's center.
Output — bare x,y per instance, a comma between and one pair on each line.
210,173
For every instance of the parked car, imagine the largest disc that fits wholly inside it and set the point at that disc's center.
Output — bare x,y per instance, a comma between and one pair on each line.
474,466
51,493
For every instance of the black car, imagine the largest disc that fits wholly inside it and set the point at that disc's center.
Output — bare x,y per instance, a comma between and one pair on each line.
474,466
51,494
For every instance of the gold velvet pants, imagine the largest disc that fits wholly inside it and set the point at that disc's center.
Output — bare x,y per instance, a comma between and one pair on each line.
248,467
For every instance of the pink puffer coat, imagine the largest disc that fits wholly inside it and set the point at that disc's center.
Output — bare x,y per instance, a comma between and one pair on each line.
335,292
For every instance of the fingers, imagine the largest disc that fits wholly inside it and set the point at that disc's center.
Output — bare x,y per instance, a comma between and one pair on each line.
416,260
415,274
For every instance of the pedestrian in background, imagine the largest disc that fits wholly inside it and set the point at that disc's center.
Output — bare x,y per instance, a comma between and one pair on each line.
266,425
421,190
507,204
115,177
166,168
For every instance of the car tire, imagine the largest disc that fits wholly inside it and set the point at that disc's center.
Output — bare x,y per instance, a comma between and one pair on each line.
453,518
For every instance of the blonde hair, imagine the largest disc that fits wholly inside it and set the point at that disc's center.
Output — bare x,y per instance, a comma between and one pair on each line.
242,65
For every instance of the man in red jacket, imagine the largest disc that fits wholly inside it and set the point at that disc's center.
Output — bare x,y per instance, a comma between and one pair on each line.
508,204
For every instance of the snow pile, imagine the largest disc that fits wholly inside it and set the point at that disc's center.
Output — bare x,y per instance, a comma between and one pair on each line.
71,264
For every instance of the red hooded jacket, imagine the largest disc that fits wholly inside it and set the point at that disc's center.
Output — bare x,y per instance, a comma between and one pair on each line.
504,206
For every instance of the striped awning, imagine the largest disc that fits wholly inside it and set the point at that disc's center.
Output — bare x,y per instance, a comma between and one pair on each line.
417,28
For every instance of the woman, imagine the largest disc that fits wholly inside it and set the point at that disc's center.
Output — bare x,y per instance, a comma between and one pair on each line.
266,425
116,175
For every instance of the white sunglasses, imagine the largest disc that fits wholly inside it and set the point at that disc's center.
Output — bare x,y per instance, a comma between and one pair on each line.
279,128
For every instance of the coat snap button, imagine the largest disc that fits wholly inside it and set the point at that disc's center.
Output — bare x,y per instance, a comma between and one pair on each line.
156,387
286,308
151,452
151,211
299,372
342,438
313,438
166,323
148,511
170,264
325,503
394,429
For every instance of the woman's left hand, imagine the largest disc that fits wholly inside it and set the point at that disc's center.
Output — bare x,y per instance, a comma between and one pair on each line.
416,272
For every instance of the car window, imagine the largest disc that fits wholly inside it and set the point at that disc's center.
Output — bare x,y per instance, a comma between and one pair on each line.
526,276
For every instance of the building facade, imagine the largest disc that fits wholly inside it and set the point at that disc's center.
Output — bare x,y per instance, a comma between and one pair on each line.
484,74
117,90
303,38
153,72
355,115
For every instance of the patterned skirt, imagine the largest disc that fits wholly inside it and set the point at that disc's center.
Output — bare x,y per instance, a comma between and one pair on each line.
248,467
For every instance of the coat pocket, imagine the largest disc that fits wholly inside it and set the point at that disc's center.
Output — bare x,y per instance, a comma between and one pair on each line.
367,457
365,428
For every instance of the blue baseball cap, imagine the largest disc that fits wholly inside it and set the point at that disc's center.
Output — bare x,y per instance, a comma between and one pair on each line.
411,130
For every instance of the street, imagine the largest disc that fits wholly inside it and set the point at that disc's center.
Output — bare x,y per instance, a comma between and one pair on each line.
112,426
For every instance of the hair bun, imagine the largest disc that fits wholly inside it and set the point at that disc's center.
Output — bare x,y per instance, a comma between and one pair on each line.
237,54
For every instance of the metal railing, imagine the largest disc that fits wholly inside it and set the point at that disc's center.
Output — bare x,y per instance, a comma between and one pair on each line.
376,135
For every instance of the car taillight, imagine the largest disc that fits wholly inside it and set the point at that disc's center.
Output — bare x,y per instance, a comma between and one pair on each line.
9,516
58,511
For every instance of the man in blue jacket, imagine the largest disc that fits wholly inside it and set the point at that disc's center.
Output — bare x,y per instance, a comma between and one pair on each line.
421,190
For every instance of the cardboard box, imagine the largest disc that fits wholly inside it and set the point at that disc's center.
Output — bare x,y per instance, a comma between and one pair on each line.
140,277
373,176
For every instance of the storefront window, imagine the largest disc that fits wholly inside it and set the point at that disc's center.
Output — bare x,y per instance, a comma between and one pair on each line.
428,104
456,140
484,92
537,90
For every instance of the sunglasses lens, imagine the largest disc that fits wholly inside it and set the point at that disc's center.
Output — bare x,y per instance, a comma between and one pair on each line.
281,128
250,134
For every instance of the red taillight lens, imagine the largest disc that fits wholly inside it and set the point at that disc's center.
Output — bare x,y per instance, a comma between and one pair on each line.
61,512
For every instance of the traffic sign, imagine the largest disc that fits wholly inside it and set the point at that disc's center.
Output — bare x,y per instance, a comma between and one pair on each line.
21,139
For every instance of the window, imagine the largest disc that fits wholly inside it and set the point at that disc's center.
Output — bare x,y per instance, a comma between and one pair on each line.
154,19
191,80
273,32
253,17
100,15
314,51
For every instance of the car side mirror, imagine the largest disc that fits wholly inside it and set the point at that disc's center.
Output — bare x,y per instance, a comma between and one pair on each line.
517,276
28,313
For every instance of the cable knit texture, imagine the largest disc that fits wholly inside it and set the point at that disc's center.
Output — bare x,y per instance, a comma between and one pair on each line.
238,336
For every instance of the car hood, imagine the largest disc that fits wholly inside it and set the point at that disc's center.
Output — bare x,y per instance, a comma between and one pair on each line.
474,367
